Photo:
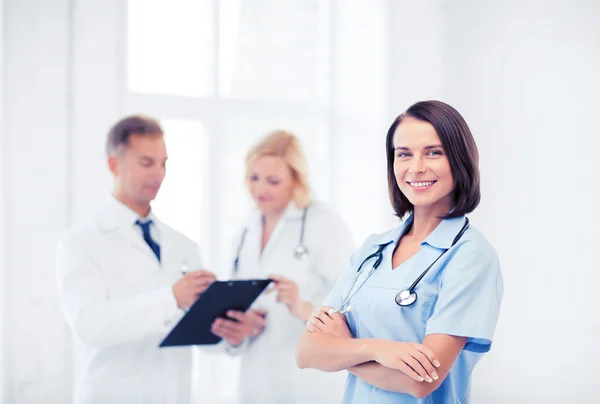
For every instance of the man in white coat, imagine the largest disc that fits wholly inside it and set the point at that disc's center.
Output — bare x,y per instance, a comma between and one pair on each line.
120,281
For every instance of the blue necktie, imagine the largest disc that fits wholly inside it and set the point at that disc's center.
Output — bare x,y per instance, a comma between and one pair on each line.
153,244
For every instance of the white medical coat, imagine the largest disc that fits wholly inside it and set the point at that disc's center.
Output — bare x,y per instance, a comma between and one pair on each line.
269,373
119,303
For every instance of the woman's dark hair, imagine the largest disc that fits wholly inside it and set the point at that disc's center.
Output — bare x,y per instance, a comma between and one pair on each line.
460,148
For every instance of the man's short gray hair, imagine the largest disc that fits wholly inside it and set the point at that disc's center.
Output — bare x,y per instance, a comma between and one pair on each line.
119,134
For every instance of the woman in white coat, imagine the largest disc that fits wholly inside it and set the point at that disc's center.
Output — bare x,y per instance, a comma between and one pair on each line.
303,246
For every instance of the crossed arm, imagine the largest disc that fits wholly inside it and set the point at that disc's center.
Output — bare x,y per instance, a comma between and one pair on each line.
401,367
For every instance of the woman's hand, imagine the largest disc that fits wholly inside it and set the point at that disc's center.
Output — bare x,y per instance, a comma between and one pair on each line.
415,360
239,325
322,320
287,293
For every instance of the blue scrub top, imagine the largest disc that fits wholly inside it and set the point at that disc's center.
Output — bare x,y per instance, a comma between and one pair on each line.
460,296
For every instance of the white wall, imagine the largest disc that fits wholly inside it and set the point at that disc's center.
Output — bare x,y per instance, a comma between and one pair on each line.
97,80
61,93
415,69
525,75
3,266
35,197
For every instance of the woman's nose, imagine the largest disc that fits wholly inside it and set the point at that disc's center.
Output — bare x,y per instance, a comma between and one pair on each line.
259,187
417,166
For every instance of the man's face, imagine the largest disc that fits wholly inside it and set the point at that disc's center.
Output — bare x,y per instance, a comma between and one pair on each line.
139,168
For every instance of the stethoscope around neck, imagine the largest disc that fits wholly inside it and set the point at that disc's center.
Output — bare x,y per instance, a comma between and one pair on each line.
300,251
405,297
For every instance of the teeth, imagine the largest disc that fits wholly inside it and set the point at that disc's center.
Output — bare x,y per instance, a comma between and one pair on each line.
421,184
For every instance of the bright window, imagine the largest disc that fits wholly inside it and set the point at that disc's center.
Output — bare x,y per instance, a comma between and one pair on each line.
180,202
170,47
274,50
221,84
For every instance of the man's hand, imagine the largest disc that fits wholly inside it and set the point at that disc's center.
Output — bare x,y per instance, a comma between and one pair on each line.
239,325
188,288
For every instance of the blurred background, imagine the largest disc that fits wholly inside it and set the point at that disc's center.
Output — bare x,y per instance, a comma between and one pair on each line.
219,74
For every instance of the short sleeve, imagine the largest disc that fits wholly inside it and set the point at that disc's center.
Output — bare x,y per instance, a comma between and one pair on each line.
469,298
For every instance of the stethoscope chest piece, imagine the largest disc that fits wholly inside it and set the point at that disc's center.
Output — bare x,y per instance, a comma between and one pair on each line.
406,298
301,252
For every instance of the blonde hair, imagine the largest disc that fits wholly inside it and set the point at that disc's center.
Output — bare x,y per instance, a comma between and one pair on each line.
286,145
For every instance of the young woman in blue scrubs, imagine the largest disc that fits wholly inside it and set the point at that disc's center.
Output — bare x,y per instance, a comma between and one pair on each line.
424,352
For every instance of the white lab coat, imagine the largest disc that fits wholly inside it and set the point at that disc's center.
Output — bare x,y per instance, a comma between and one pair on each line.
269,373
119,304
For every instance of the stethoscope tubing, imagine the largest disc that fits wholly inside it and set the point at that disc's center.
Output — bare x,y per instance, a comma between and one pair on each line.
405,297
300,252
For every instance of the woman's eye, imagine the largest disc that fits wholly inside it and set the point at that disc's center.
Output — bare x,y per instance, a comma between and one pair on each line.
253,178
436,153
402,155
273,182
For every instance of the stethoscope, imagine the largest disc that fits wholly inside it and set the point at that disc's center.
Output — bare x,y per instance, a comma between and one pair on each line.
405,297
300,251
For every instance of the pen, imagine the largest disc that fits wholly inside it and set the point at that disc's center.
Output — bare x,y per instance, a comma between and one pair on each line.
184,267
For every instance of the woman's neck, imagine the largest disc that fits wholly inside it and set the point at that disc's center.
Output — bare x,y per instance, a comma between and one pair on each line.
425,221
270,221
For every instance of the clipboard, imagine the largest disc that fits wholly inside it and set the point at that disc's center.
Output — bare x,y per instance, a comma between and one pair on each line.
217,299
